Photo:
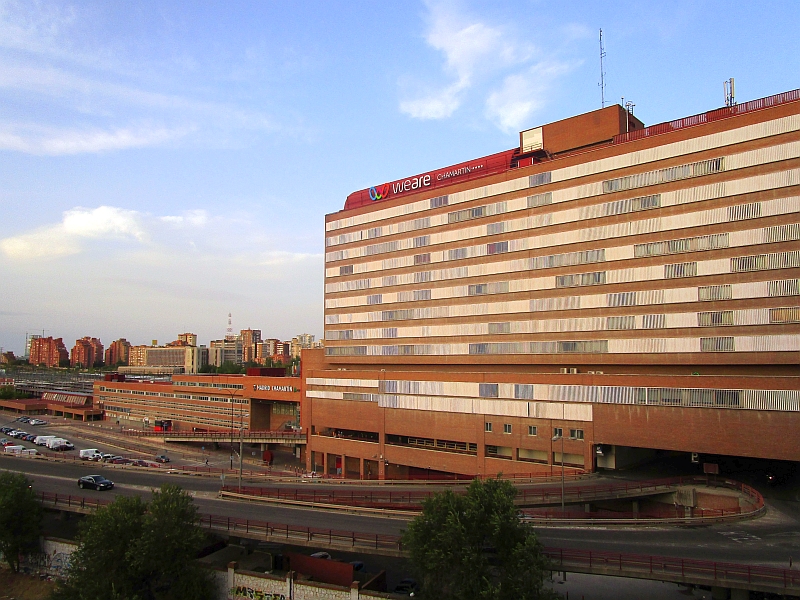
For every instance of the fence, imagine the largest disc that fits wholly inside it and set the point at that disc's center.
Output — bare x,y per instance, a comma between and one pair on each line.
708,117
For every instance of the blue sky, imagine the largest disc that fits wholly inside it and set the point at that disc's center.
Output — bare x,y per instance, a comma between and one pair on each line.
165,163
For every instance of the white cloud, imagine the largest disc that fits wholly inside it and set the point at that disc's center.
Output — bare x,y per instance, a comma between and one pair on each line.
51,141
485,59
192,218
77,225
510,107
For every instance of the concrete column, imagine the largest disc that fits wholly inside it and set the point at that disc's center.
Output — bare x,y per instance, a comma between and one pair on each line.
720,593
232,566
635,507
740,595
354,591
290,585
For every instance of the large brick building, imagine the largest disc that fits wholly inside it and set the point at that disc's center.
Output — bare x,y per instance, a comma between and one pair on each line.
613,288
202,402
48,351
86,352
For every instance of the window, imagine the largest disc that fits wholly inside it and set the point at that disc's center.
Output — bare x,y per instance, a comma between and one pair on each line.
487,427
532,430
576,434
346,270
506,427
488,390
557,432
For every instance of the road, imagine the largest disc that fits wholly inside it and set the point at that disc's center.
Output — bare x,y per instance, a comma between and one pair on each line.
770,540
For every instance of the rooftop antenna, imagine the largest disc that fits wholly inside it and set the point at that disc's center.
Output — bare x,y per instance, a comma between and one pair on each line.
628,112
730,99
602,83
229,330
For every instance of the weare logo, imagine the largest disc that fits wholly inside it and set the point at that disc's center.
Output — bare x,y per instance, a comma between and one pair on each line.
379,192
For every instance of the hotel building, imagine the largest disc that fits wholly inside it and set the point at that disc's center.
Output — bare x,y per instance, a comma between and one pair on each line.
605,288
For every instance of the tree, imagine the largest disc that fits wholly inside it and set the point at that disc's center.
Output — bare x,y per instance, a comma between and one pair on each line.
20,518
473,545
138,551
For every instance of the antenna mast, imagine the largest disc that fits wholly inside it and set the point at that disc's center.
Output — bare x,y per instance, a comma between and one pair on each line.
602,83
730,97
229,331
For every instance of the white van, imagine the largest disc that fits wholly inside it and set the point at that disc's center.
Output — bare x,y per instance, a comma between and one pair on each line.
14,449
91,454
41,440
55,442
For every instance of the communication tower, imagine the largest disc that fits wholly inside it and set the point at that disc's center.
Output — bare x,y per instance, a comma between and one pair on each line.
229,331
602,83
730,99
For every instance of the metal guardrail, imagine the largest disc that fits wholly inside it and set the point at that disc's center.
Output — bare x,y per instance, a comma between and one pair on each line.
708,117
220,435
412,500
665,568
661,568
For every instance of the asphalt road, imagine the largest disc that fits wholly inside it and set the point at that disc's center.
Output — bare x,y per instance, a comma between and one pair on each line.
772,539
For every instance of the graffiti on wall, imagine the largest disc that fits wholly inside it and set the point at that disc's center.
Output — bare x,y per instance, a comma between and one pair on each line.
241,591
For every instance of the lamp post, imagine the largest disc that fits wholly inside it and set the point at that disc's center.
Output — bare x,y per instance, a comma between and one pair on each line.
242,415
560,434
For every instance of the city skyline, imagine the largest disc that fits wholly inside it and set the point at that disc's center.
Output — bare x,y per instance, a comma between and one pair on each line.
160,168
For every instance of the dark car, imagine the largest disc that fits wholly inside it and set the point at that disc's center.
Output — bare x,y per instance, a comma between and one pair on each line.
30,437
162,458
95,482
407,586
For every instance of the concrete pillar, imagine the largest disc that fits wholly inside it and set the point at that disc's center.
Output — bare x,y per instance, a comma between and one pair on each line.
232,566
740,595
720,593
587,508
635,507
290,584
354,591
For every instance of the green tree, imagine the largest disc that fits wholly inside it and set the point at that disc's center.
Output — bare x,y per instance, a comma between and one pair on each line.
474,546
20,518
139,551
229,368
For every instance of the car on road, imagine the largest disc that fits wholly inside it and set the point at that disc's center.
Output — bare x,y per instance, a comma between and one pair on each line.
162,458
407,586
95,482
37,422
325,555
311,475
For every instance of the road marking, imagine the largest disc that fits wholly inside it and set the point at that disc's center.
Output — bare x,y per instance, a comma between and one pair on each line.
741,537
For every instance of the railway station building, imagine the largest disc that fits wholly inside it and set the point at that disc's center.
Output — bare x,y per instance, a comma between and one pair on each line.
598,293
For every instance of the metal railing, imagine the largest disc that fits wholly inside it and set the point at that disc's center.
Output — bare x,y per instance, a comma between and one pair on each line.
220,435
709,117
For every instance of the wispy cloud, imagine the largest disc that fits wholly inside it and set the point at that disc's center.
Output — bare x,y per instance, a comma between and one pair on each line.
35,139
55,74
483,59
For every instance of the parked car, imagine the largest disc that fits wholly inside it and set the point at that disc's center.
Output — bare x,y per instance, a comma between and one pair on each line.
19,434
311,475
90,454
6,429
407,586
64,446
106,456
325,555
96,482
120,460
358,566
37,422
30,437
23,419
140,463
162,458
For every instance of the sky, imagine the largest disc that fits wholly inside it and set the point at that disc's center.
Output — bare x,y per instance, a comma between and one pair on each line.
163,164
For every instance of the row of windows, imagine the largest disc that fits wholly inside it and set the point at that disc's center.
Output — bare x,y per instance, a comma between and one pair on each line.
698,169
715,140
498,393
759,289
761,343
744,317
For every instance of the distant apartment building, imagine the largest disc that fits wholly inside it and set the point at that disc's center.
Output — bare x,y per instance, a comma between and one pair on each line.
7,358
274,350
47,351
189,339
86,352
29,337
227,350
118,352
304,340
250,338
166,359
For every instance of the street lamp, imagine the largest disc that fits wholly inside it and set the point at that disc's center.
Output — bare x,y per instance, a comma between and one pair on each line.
559,434
242,415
